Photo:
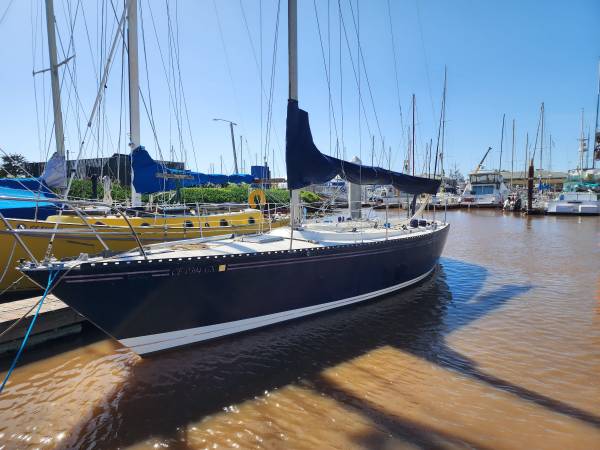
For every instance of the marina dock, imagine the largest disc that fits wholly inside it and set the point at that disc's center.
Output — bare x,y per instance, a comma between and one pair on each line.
55,320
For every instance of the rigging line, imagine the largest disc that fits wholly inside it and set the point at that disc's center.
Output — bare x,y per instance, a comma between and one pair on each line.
329,66
362,58
258,71
230,73
338,154
272,83
426,60
260,40
536,137
183,96
176,92
356,76
6,11
395,66
164,65
331,112
33,58
150,113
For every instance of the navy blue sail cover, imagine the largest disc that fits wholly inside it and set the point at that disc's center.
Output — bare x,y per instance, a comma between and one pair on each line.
151,176
306,165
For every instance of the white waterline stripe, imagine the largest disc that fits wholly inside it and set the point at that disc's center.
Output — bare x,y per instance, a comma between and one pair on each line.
156,342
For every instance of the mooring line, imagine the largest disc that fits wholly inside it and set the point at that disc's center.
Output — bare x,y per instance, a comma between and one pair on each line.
51,276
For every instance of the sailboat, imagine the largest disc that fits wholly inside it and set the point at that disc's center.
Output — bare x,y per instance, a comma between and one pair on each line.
175,294
41,220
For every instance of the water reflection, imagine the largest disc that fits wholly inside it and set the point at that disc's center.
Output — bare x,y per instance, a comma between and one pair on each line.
163,394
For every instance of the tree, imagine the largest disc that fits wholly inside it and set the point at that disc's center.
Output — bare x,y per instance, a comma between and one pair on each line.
13,165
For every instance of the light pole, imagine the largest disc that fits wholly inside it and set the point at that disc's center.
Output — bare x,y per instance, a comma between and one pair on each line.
231,124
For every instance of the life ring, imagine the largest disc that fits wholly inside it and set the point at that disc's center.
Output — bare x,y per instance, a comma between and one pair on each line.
257,194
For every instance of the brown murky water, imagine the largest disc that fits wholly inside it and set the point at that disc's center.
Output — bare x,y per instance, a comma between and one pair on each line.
499,349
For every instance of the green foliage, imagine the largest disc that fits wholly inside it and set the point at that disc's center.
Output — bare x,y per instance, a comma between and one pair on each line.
230,194
239,194
309,197
83,189
13,165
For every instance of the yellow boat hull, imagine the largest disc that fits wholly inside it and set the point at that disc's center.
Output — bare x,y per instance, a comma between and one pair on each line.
75,237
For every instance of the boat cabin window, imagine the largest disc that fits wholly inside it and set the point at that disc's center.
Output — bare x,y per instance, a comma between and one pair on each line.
251,220
484,178
188,224
482,190
223,223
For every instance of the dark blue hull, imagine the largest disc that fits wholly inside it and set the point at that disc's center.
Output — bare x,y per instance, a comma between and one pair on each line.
152,306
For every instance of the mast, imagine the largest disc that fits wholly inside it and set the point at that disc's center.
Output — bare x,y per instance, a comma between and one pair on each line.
512,157
241,154
55,82
501,143
542,146
235,164
596,154
413,134
293,96
134,96
581,144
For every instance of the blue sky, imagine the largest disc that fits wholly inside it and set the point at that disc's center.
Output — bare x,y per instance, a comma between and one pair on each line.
502,58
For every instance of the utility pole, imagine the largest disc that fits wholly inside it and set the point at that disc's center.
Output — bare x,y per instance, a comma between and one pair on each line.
231,124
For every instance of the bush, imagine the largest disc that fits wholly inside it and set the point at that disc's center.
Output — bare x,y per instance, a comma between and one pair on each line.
229,194
83,189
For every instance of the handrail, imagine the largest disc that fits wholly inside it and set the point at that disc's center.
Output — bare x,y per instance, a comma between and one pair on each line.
18,238
137,239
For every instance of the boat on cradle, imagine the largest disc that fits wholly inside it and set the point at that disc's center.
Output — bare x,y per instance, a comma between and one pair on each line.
175,294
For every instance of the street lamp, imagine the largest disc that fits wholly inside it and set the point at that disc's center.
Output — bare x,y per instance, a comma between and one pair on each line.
231,124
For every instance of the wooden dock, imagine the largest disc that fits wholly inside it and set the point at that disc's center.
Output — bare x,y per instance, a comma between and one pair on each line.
55,320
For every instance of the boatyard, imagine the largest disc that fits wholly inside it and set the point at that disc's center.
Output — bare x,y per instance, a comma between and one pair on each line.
299,225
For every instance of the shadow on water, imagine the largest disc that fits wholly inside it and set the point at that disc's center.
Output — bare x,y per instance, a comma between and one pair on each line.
166,392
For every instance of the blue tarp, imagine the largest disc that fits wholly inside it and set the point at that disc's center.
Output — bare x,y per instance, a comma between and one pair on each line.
26,184
147,175
306,165
15,209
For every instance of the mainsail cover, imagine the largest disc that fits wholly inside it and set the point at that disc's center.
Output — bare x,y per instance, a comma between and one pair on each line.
306,165
152,176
